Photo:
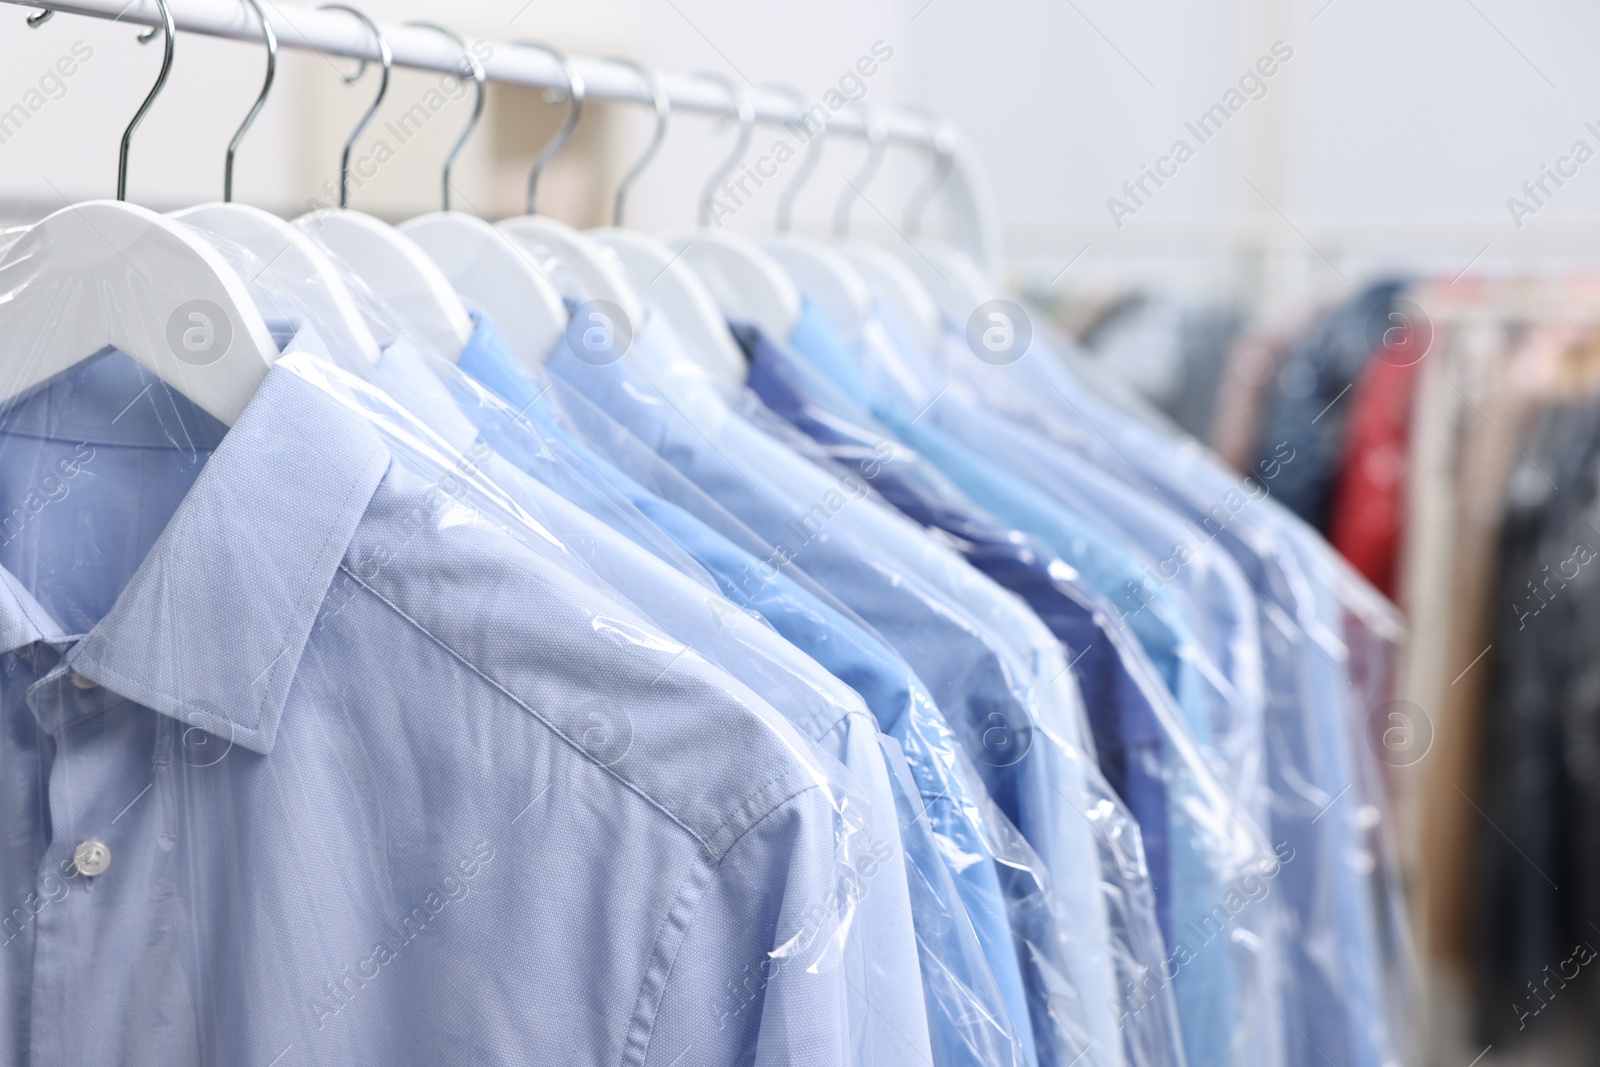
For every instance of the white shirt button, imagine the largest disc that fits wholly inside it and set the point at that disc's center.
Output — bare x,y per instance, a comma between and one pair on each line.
92,857
81,682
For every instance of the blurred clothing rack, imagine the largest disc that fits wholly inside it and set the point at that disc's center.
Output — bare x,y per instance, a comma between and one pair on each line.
973,226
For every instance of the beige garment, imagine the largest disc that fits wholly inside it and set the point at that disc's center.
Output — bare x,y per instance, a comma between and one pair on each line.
1426,560
1475,407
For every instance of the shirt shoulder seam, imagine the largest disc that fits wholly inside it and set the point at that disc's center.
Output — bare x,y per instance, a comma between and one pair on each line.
552,727
646,1014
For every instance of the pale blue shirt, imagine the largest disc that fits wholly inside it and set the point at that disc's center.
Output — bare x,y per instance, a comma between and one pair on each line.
891,1022
1213,841
1345,990
951,809
380,781
973,673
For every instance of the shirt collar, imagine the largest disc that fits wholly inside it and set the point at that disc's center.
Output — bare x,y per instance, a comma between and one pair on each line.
211,627
490,361
23,620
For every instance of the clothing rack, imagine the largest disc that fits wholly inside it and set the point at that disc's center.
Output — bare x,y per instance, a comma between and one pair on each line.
972,222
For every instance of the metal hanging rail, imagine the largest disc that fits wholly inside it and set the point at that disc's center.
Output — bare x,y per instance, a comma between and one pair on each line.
335,33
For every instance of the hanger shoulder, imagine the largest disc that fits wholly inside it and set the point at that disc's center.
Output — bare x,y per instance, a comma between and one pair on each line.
957,283
747,284
840,291
399,272
111,273
489,269
680,296
582,269
901,292
293,262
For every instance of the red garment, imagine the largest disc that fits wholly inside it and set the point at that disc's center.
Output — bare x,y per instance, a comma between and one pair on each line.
1369,503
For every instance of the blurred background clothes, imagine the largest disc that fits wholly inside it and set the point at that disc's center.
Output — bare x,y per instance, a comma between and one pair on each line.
1219,671
1446,438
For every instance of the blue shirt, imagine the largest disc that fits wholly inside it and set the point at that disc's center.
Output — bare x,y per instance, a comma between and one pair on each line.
380,782
897,697
1207,851
1339,892
880,949
1130,742
970,679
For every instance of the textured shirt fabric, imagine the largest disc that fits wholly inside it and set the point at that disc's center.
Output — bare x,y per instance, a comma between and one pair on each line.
815,405
1345,989
896,696
965,839
354,749
970,674
890,1021
1209,988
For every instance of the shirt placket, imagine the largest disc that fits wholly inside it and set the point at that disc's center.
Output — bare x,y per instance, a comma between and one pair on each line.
83,968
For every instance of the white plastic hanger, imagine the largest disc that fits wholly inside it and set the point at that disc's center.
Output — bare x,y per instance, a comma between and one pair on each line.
956,283
899,291
747,284
840,292
482,264
291,261
651,266
579,268
181,311
679,296
894,286
487,267
399,272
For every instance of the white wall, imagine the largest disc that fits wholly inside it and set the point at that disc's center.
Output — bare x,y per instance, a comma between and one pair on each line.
1395,133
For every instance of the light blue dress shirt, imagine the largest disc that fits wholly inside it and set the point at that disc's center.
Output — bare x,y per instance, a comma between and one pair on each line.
379,780
1342,989
1208,851
896,696
1119,687
890,1023
1035,655
971,679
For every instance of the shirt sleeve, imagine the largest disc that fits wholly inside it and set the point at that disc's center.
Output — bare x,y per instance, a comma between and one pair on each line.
752,971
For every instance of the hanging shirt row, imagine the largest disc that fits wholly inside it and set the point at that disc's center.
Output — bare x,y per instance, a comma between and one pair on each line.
470,644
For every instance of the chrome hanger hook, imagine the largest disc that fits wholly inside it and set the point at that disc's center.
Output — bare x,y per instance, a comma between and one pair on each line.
855,188
475,68
663,106
808,165
745,109
944,156
255,109
170,31
39,18
575,94
386,57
